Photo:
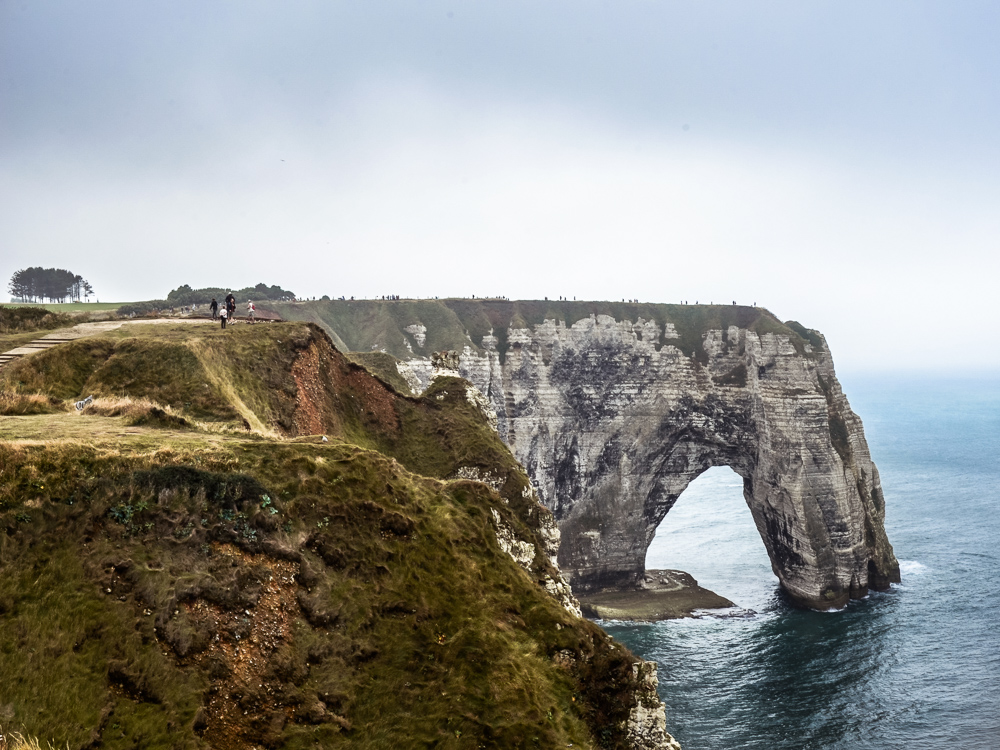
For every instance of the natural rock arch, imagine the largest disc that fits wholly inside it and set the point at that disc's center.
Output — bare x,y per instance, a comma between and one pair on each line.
612,408
611,456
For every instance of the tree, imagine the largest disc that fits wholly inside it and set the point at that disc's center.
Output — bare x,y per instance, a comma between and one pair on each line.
20,285
185,295
180,295
54,284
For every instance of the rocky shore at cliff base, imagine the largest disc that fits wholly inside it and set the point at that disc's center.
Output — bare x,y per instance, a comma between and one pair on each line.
661,595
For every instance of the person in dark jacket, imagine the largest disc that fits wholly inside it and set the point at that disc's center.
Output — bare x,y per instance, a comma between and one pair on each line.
214,307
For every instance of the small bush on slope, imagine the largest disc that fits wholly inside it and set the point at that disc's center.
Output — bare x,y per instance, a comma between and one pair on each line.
14,319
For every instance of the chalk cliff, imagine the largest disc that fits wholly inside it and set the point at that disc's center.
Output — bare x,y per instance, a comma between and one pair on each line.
614,409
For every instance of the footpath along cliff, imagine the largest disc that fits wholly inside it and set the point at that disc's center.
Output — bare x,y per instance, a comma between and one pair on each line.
614,409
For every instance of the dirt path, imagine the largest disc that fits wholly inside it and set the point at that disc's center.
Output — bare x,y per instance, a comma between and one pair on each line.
82,330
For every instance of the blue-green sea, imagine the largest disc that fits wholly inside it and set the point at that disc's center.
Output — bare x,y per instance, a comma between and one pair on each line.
915,667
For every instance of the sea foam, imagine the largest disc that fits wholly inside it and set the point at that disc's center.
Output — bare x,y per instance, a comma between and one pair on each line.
911,567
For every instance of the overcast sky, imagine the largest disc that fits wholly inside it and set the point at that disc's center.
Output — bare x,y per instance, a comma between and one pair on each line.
836,162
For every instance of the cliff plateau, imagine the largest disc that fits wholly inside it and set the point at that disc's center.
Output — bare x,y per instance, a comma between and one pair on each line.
614,409
245,540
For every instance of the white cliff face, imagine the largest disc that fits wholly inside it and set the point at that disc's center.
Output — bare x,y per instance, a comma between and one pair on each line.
612,421
647,723
523,553
418,332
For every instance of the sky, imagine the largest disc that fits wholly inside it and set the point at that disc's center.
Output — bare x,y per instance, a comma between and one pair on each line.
835,162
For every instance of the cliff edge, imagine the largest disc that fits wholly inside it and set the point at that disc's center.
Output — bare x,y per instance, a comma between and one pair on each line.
614,409
245,540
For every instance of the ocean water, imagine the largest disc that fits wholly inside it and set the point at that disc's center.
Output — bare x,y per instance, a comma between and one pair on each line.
915,667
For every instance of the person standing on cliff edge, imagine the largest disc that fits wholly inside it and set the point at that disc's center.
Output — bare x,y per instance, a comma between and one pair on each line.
230,305
214,307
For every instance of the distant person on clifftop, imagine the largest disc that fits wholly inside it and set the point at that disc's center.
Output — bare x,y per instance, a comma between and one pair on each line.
250,311
230,305
222,317
214,307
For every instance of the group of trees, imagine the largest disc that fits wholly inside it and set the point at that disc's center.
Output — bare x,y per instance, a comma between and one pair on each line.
185,295
38,284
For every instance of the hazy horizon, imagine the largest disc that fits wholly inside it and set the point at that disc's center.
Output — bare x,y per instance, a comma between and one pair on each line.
832,162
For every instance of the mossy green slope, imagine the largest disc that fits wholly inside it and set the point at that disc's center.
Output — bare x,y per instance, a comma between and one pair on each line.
362,325
202,589
202,371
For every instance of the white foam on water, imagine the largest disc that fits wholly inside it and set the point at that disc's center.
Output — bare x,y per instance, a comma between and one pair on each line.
725,613
912,567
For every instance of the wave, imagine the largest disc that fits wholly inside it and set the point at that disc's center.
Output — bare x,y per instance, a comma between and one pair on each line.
912,567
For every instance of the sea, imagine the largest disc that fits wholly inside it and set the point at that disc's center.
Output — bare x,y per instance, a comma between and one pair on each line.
914,667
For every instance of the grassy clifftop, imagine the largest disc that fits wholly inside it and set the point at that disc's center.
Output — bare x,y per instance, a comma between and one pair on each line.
203,586
362,325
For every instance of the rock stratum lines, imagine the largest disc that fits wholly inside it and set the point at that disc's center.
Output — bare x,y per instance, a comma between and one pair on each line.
615,409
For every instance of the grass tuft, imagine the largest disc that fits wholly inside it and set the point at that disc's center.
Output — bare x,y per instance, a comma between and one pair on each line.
19,404
17,741
137,411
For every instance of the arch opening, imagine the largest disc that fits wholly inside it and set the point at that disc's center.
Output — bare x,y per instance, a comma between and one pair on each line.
709,532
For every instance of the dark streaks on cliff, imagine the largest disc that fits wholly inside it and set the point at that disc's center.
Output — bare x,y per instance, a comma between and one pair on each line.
599,382
614,407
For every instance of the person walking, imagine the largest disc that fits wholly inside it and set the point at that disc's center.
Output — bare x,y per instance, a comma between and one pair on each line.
250,311
222,317
214,307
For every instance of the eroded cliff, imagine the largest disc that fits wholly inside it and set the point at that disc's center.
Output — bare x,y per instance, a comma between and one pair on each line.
184,563
614,409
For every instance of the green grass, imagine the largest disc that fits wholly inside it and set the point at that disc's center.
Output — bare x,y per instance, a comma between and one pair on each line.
365,589
367,325
412,626
68,307
10,341
363,325
200,371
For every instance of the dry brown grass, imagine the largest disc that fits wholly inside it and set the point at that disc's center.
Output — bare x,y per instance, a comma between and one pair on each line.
20,404
17,741
236,429
122,406
136,411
